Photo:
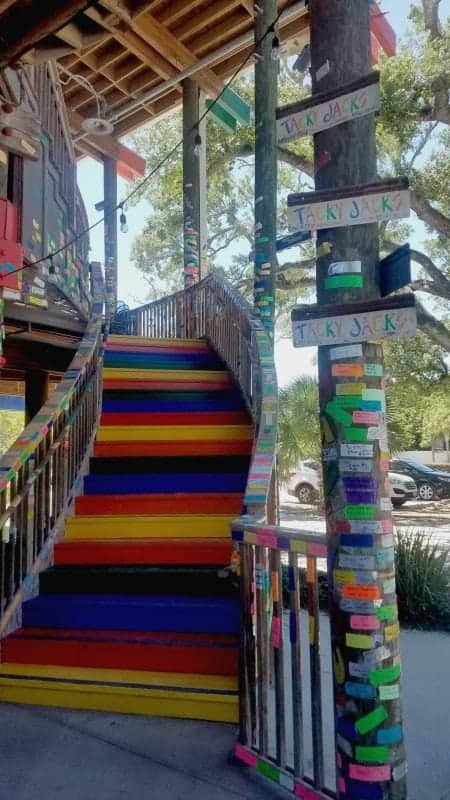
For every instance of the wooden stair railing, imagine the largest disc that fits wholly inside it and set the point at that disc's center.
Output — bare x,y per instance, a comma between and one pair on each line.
39,474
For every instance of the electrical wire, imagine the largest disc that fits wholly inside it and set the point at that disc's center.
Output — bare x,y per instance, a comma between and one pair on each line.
167,157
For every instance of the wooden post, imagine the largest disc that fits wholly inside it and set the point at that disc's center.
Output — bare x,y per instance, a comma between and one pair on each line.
110,232
194,184
363,606
265,260
266,74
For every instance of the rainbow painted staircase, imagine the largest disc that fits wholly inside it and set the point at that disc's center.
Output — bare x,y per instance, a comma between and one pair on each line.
136,615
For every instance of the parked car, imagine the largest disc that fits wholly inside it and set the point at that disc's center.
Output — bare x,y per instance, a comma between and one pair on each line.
304,484
431,483
403,489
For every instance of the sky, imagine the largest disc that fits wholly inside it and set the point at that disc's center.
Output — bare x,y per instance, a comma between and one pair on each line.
290,362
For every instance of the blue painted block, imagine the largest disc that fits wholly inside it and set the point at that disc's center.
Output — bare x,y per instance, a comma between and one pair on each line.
357,790
153,483
133,613
162,360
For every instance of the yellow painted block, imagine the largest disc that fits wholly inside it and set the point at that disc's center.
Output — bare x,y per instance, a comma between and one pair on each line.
189,375
145,694
149,527
173,433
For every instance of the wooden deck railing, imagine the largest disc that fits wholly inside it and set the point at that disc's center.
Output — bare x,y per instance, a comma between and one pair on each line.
38,475
281,731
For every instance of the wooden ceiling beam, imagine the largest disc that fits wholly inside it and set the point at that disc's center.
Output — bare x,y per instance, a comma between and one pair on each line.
166,44
25,31
176,10
249,6
5,4
205,20
220,34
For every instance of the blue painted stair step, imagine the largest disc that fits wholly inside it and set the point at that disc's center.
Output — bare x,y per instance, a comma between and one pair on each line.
162,361
149,401
151,483
133,613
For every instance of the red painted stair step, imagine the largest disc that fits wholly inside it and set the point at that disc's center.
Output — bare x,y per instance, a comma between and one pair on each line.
152,551
204,654
160,504
171,448
175,418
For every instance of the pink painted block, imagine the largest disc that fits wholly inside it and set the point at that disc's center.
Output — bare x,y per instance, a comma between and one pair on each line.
367,417
362,622
387,526
267,539
341,785
384,465
315,549
276,632
305,793
370,774
339,760
245,755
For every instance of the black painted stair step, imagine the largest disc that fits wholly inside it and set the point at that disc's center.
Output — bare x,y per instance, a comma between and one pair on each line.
136,580
169,464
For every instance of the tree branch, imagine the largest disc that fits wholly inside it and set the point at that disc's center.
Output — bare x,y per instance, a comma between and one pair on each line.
433,327
294,160
431,16
431,216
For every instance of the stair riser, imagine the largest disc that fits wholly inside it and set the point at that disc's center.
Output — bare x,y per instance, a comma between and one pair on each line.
159,384
214,708
168,465
135,581
165,448
154,658
136,504
97,528
106,612
181,551
175,418
119,360
230,482
186,432
146,402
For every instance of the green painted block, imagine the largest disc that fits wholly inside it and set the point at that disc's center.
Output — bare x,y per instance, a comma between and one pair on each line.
235,106
268,770
387,613
338,414
372,755
222,116
370,721
348,401
344,282
359,511
355,434
387,675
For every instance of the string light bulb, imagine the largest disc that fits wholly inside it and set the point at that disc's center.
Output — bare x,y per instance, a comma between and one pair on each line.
123,221
197,145
276,52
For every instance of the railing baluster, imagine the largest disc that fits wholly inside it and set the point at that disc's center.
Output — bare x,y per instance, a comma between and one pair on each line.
278,652
315,680
262,649
296,670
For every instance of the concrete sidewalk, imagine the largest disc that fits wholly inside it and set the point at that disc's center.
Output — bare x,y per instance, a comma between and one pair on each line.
50,754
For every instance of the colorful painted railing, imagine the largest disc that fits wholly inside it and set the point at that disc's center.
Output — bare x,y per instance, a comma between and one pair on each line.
281,726
215,310
38,475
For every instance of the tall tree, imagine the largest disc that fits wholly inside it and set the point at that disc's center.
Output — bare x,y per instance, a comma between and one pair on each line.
413,139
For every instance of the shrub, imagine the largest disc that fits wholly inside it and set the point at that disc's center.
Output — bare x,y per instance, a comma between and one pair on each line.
423,580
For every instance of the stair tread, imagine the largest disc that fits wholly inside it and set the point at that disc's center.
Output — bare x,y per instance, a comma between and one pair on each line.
160,551
173,504
131,637
167,464
136,678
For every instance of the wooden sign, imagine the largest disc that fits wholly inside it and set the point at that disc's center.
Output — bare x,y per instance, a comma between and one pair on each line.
20,131
328,109
355,205
312,326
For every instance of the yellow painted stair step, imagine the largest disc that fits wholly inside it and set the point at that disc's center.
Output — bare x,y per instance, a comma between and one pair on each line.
149,527
123,691
173,433
199,375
